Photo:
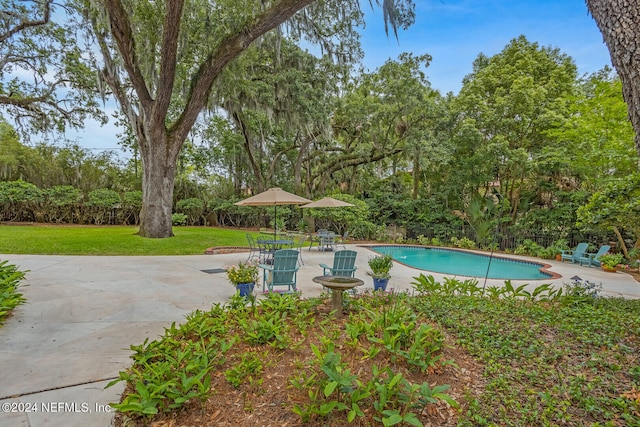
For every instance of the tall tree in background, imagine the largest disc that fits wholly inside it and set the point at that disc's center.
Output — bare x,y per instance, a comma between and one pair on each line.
619,22
512,99
162,59
45,84
381,119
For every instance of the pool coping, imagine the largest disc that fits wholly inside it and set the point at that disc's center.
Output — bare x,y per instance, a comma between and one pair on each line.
543,269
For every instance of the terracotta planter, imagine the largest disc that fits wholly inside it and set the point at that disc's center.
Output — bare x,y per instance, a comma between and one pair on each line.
609,269
558,257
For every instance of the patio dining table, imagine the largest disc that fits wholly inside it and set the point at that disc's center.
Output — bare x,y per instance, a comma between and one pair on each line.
272,245
276,244
325,241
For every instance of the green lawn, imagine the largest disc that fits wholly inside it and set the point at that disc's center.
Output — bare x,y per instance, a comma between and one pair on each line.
112,240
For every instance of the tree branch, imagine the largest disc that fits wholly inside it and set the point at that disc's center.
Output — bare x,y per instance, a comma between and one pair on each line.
28,23
168,61
229,49
123,35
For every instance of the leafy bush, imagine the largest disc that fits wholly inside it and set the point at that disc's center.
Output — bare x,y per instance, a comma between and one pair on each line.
131,205
611,260
18,199
434,241
100,203
579,292
179,219
229,214
555,249
193,208
62,203
10,298
464,243
367,230
529,247
177,369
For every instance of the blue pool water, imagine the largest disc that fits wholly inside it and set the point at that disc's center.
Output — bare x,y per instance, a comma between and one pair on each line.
462,263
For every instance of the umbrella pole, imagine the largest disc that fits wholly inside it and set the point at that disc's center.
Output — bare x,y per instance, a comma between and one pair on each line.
275,222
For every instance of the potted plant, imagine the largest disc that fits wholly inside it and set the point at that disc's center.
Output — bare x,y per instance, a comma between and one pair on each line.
243,276
380,266
610,262
555,250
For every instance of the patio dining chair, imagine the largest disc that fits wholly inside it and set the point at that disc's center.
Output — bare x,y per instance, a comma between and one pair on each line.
265,251
299,244
342,241
327,242
254,251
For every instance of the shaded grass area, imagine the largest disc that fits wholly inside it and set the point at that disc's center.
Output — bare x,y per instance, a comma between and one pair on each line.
112,240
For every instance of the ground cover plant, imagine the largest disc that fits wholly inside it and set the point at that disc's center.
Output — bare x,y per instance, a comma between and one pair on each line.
10,297
287,361
565,358
450,353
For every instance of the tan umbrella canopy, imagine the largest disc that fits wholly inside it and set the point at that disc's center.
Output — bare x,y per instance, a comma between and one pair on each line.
273,197
327,202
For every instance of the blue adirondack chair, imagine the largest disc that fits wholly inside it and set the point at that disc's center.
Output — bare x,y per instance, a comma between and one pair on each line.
594,259
343,264
575,254
281,275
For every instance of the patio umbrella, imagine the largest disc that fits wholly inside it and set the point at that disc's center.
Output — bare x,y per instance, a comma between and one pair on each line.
273,196
327,202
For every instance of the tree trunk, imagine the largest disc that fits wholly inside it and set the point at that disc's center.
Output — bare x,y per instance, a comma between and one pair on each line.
159,161
619,22
623,245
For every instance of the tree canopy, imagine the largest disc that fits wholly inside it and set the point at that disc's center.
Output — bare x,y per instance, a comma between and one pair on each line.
46,82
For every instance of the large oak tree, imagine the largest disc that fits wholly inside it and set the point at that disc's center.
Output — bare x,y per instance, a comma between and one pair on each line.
162,60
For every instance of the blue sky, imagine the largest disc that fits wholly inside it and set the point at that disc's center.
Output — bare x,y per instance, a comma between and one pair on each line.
454,32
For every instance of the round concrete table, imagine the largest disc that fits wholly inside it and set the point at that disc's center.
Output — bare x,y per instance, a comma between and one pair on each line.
338,284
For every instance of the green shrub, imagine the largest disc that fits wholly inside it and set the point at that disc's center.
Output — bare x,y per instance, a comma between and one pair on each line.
193,208
179,219
18,199
464,243
350,218
62,203
131,206
100,203
531,248
10,298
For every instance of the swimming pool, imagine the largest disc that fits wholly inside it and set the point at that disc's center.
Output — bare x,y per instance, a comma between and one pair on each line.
463,263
